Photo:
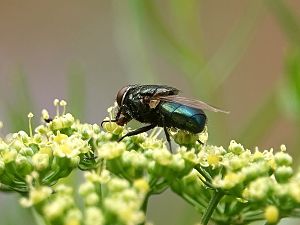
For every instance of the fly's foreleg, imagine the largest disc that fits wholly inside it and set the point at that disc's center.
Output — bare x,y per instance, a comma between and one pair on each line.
138,131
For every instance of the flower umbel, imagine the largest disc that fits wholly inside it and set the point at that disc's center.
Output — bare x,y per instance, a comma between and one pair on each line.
243,185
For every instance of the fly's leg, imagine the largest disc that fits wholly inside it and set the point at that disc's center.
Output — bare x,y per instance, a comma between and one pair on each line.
168,138
200,142
107,121
138,131
167,134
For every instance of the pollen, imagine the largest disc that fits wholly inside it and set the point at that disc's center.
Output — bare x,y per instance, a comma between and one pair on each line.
66,149
141,185
59,138
213,159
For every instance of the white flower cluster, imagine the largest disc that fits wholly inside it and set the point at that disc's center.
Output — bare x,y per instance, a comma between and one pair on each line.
53,150
123,175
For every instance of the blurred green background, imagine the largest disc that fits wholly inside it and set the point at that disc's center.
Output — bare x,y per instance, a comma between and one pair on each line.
242,56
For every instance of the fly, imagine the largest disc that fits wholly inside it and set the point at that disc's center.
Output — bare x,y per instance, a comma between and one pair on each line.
160,105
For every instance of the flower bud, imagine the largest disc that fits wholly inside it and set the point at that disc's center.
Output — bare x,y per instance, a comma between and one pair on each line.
40,161
74,161
62,103
162,157
235,148
23,165
18,145
183,137
46,150
152,143
36,195
111,150
92,199
134,159
258,189
56,102
178,163
283,173
93,177
73,217
192,182
271,214
188,155
294,190
283,159
96,128
62,122
39,194
59,138
105,176
53,210
213,160
117,184
45,114
282,148
26,151
56,124
64,189
141,185
94,216
113,128
86,188
229,181
3,146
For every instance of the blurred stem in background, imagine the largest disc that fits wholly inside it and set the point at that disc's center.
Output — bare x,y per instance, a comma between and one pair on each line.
270,109
77,89
290,87
130,45
20,103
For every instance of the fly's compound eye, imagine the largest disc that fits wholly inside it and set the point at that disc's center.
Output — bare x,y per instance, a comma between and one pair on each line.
121,94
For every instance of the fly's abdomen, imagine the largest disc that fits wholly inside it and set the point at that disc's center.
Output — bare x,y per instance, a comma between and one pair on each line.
183,117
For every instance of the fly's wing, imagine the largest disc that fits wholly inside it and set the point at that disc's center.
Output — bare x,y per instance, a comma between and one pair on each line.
159,90
190,102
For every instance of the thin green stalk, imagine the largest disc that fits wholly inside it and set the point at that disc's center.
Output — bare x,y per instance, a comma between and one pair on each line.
160,188
145,206
287,19
37,218
206,176
266,223
192,201
211,206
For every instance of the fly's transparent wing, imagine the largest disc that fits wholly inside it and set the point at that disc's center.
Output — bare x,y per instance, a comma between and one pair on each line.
190,102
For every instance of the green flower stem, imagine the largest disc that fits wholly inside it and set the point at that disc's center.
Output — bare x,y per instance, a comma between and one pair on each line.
211,206
192,201
5,188
39,220
266,223
206,176
160,188
145,205
153,181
